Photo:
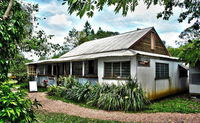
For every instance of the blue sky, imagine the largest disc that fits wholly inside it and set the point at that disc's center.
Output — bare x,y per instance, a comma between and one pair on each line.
58,22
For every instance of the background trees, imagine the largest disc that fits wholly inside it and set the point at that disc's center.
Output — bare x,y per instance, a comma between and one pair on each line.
17,34
76,37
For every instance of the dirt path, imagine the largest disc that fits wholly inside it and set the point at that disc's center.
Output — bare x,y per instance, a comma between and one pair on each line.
71,109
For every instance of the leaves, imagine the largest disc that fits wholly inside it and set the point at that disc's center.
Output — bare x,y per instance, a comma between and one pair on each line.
190,53
15,107
126,97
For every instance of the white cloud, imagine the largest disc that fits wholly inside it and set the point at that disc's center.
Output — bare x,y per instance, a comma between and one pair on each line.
170,38
59,20
53,7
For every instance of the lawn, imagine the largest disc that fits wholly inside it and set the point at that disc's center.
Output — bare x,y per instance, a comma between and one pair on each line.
178,103
43,117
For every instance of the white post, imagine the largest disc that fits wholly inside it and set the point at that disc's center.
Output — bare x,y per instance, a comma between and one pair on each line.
44,70
70,67
51,69
83,69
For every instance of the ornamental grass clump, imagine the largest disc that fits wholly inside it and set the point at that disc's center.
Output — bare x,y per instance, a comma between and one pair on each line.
127,97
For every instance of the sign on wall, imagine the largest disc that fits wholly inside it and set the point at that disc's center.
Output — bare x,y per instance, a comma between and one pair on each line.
32,86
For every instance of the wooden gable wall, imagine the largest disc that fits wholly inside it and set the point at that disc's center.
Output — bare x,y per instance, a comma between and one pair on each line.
144,44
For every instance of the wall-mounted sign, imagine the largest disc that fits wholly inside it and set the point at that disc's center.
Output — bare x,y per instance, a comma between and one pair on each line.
32,86
143,61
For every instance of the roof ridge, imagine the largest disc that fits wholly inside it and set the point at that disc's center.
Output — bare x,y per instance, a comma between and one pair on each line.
120,34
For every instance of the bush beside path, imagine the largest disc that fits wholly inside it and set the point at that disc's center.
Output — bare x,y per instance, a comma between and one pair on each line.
57,106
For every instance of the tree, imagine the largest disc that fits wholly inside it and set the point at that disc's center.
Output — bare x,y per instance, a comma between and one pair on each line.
174,51
190,8
87,28
190,52
18,68
16,33
76,38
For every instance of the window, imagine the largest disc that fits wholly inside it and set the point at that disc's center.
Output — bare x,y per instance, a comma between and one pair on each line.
162,71
107,69
117,69
31,70
125,69
54,69
77,68
90,67
41,70
67,68
182,71
49,69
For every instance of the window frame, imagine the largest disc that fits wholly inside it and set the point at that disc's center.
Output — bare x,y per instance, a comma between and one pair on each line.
120,70
162,71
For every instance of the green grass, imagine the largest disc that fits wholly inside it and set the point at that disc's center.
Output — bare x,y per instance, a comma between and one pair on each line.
176,104
43,117
180,104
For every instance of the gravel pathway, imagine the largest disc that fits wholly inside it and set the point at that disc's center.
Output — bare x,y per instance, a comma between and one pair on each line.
72,109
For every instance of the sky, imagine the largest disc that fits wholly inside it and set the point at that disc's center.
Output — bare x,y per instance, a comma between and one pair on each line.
58,22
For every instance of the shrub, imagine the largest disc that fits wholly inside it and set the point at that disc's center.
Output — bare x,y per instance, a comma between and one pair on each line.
79,93
128,97
68,82
14,105
56,91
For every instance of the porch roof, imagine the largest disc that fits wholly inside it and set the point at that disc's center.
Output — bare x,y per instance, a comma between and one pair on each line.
118,53
88,56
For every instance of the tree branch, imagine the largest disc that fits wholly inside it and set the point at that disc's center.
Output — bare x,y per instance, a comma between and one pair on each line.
7,12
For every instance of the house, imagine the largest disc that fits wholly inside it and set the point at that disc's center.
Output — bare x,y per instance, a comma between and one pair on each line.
140,53
194,79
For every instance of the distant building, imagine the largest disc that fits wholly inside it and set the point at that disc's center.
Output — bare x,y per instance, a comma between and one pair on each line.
140,53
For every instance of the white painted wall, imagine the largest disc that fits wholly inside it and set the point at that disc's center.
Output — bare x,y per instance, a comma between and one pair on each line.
153,87
146,75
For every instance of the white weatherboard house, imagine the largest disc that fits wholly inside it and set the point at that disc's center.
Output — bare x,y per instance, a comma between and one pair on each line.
139,53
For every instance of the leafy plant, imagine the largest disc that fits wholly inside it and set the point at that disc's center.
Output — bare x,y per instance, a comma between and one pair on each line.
68,82
14,105
56,91
128,96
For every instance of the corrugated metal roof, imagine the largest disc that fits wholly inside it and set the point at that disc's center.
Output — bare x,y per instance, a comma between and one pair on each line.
88,56
118,42
118,53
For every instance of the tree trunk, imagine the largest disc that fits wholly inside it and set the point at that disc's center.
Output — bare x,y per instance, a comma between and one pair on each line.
7,12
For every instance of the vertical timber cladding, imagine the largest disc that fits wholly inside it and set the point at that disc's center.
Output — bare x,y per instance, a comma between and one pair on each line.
145,44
